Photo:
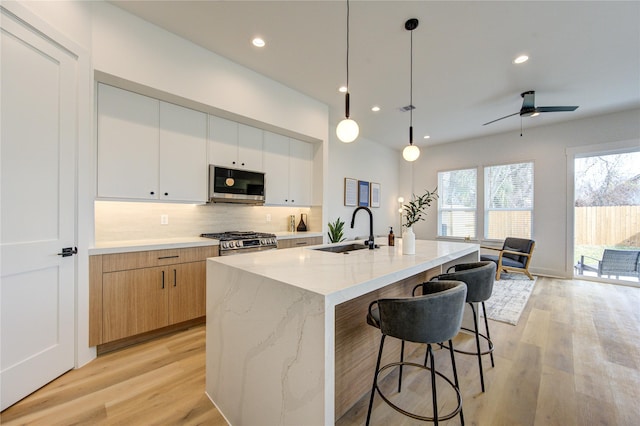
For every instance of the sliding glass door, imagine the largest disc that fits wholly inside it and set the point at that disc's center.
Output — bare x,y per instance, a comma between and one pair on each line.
607,216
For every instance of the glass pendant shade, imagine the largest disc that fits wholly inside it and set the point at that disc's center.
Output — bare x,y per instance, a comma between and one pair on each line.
347,130
411,153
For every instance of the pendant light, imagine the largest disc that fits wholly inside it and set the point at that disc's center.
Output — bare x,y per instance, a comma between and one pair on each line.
347,130
411,152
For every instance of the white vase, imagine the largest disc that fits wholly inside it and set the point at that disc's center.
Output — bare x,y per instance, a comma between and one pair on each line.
408,241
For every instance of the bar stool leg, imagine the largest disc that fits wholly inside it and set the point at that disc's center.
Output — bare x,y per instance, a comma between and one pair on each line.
375,380
433,386
455,377
475,327
401,365
486,324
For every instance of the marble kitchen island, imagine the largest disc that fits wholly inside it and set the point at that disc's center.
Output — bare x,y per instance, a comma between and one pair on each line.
287,341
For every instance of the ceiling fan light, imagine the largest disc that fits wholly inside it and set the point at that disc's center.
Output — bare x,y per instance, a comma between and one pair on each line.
411,153
347,130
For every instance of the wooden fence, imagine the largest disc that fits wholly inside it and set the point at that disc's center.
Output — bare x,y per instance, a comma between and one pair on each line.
608,226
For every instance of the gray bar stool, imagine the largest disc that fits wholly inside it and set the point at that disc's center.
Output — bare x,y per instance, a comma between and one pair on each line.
431,318
479,278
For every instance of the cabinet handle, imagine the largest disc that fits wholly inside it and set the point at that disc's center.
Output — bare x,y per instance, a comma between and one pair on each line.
243,164
175,280
233,162
293,201
152,193
166,193
163,279
169,257
302,243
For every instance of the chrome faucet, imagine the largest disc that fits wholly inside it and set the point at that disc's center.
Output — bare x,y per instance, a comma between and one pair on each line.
353,218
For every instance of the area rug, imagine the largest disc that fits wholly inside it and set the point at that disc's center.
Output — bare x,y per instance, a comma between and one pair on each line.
509,298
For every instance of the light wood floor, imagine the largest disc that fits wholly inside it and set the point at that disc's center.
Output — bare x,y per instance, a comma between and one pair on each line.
573,359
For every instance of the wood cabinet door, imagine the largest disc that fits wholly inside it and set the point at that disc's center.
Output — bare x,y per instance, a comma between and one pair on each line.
127,144
183,154
134,301
187,291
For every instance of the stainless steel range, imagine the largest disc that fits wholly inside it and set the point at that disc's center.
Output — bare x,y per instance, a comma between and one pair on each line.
236,242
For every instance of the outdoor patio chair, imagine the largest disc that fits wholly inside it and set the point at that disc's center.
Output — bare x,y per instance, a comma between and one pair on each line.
618,263
514,256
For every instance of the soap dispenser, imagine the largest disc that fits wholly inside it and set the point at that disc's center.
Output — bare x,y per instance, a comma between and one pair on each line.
392,238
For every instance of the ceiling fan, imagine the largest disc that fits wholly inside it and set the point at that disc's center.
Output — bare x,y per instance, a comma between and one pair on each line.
529,107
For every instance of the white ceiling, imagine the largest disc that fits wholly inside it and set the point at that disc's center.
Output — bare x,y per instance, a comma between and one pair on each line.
581,53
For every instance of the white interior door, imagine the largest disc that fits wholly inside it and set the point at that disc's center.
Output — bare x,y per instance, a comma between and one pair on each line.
38,134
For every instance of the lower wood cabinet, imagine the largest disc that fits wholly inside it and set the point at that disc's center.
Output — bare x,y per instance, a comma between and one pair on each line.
134,293
298,242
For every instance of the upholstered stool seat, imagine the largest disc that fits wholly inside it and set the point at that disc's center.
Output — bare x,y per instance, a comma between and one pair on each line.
479,278
431,318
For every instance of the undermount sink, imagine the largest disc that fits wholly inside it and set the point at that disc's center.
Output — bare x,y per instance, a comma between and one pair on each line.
344,248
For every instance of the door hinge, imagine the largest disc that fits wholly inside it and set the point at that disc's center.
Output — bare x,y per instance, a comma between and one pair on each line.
68,251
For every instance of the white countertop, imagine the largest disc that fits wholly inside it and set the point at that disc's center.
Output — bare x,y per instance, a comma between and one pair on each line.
342,276
110,247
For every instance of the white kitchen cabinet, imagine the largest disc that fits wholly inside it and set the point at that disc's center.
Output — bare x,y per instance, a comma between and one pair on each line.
288,166
149,149
128,154
183,154
234,145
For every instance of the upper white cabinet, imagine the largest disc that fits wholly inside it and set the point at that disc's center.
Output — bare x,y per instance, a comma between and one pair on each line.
288,166
234,145
150,150
183,154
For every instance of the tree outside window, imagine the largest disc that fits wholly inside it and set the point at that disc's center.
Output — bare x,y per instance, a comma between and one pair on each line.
457,203
508,201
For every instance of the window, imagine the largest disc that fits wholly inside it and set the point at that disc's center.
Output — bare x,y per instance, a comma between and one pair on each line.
457,201
508,203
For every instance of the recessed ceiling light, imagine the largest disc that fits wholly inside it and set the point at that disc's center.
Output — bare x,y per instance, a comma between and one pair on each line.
427,136
535,114
375,108
342,89
521,59
258,42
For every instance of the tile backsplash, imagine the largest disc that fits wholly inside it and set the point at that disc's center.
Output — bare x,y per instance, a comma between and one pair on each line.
123,220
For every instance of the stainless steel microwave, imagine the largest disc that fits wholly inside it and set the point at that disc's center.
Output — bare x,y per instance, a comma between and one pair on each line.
235,186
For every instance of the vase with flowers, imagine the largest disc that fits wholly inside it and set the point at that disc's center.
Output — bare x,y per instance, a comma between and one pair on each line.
414,212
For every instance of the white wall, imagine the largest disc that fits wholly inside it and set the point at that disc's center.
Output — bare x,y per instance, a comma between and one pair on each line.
546,147
364,160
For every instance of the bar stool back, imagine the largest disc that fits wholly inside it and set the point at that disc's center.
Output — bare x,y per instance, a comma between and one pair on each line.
431,318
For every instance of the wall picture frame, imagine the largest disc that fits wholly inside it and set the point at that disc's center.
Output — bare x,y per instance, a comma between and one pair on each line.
374,189
363,193
350,192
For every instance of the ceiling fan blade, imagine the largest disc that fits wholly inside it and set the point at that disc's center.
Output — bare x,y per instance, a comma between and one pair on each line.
529,100
498,119
556,108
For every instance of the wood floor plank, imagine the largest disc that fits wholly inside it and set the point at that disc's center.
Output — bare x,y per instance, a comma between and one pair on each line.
573,359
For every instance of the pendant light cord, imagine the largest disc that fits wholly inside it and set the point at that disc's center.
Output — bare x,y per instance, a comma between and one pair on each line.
347,46
411,92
